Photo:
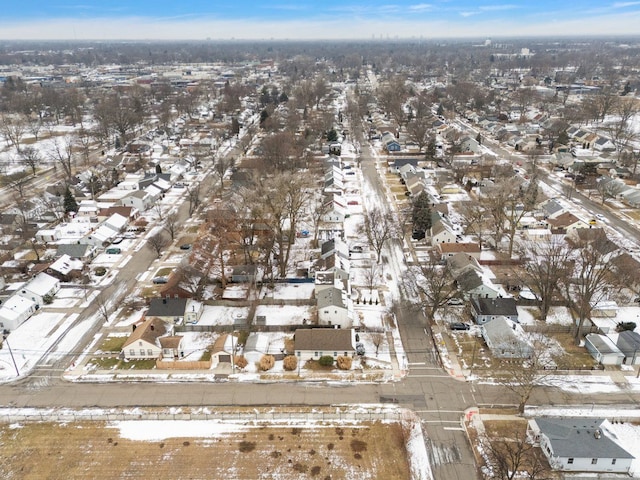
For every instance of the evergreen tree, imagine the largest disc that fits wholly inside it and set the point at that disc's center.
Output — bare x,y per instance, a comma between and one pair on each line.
70,204
332,135
421,215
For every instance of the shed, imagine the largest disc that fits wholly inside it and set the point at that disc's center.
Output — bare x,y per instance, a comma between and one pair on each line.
629,344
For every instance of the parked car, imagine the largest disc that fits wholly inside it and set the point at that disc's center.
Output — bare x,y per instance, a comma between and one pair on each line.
185,246
113,251
117,240
459,326
159,280
455,301
356,249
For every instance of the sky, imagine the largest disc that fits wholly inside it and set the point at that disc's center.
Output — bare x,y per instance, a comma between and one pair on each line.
313,19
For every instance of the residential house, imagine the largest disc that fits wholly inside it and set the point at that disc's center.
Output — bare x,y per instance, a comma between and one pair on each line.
77,251
396,164
138,199
506,339
171,346
143,343
390,142
116,222
446,250
333,307
565,222
313,343
41,289
603,144
334,209
15,311
47,235
629,344
580,444
484,310
170,310
334,246
603,350
100,237
66,268
441,231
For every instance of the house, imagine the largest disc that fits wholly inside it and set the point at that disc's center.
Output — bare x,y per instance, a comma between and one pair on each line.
565,222
100,237
441,231
66,268
171,347
334,209
390,143
40,289
143,342
138,199
313,343
333,307
629,344
170,310
506,339
47,235
579,444
603,350
484,310
447,250
15,311
476,284
77,251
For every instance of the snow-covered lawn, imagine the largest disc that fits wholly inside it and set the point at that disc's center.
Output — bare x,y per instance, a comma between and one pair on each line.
291,291
219,315
285,315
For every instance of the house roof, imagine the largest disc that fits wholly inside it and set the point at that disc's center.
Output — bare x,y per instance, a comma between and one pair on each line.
171,342
629,342
167,307
563,220
65,264
602,343
495,306
330,297
324,339
41,284
15,306
224,343
459,247
577,437
74,250
149,331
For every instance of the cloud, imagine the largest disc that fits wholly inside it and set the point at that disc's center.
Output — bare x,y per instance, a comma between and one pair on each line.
497,8
420,7
624,4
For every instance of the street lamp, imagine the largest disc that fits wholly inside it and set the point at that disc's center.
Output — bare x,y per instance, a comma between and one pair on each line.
5,339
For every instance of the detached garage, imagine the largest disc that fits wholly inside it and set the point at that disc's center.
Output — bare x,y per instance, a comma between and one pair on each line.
603,350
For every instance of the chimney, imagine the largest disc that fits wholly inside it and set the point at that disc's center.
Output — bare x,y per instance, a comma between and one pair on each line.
134,326
151,327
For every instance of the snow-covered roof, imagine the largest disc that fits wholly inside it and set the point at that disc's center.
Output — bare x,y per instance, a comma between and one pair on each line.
42,284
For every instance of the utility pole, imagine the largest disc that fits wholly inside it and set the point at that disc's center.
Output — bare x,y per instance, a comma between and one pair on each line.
5,339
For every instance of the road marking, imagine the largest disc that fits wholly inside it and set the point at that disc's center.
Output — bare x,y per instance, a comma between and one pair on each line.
417,363
428,376
439,411
456,429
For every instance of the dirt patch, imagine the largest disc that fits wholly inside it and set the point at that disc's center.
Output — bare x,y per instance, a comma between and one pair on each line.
81,450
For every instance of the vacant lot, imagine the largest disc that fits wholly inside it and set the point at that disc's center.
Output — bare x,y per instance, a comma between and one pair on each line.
81,450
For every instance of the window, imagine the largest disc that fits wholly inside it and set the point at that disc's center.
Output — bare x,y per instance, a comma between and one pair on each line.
132,353
570,461
335,354
142,352
316,354
594,461
150,352
613,461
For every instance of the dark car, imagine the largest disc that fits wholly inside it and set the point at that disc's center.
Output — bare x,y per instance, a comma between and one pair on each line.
418,235
160,280
185,246
459,326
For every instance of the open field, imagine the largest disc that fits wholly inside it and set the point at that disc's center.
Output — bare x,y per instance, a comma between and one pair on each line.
97,450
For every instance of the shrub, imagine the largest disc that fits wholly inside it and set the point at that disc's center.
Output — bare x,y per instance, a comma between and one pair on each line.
622,326
290,363
326,360
266,362
99,271
241,362
344,363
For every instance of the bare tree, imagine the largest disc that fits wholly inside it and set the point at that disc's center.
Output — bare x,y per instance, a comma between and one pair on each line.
13,128
474,214
546,265
103,305
377,338
171,225
510,453
220,169
30,157
435,283
371,276
193,195
587,282
157,243
609,188
61,153
379,227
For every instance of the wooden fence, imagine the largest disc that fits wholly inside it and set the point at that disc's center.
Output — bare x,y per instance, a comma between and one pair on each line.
183,365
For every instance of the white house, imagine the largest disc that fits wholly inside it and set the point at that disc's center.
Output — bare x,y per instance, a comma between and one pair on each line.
193,311
506,339
15,311
313,343
143,343
333,307
579,444
138,199
39,288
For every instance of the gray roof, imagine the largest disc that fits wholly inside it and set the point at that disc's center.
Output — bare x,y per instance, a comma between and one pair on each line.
495,306
602,344
74,250
576,437
167,307
324,339
629,343
331,296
